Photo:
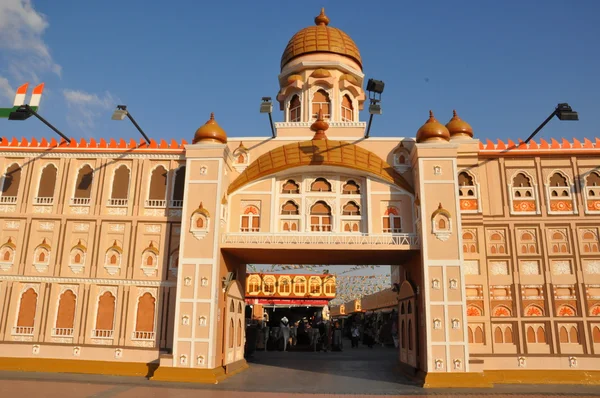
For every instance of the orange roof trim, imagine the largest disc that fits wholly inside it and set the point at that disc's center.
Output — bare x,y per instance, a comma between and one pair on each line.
112,145
510,148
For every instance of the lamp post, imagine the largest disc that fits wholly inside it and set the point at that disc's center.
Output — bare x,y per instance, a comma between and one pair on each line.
563,112
266,106
121,112
375,89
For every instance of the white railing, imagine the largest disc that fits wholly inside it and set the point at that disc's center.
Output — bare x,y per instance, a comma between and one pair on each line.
8,199
323,239
43,201
102,334
156,203
308,124
176,203
117,202
142,336
23,330
62,332
80,201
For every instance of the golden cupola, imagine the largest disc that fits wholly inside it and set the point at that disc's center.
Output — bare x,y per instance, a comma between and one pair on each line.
321,38
210,132
432,131
458,128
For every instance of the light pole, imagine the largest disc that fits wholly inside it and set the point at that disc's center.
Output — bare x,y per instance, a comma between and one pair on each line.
121,112
563,112
375,89
266,106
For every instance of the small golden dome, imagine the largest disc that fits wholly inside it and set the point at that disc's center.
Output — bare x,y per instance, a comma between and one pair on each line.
294,78
201,210
79,246
432,130
458,127
9,243
319,127
319,73
349,78
210,132
320,38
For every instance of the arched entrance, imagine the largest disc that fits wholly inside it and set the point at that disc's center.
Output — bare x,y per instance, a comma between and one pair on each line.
407,325
234,324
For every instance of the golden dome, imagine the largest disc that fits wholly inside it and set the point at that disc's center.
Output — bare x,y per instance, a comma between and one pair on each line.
320,38
459,128
293,78
349,78
210,132
432,130
319,73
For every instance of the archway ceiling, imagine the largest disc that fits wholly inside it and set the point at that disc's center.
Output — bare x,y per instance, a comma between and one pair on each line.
319,153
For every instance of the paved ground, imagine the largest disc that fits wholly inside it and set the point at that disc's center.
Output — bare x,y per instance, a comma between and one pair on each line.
356,372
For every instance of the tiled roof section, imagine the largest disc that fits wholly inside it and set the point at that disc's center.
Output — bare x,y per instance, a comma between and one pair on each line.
102,144
543,147
322,38
319,153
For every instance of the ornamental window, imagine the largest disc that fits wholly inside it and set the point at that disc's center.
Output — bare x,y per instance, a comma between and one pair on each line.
10,184
320,185
45,195
321,102
295,109
120,187
251,219
466,185
350,188
83,186
347,109
290,187
320,217
392,222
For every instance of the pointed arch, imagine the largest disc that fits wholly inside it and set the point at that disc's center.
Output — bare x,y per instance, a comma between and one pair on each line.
11,180
347,109
27,309
47,184
178,187
290,208
295,112
541,334
146,308
320,217
83,184
321,102
120,185
498,336
508,335
158,183
105,315
65,315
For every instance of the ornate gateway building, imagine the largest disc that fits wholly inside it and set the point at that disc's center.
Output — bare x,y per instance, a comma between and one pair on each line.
118,257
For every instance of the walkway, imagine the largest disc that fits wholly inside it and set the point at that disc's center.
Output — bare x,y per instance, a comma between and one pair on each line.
355,372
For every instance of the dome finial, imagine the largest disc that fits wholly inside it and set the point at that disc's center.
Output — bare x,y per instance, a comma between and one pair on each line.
321,19
454,114
431,114
212,116
319,127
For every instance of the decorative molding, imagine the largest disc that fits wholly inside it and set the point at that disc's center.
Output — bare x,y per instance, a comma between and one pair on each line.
40,267
86,281
117,227
80,210
12,224
153,228
111,269
8,208
81,227
47,226
117,211
155,212
91,154
175,213
572,362
42,209
148,271
522,362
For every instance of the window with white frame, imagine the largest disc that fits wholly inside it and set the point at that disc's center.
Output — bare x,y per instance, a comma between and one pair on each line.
320,217
347,109
466,185
558,186
321,102
392,222
251,219
295,109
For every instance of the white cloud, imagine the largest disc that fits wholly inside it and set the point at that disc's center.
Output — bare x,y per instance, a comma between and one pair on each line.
84,108
22,48
6,91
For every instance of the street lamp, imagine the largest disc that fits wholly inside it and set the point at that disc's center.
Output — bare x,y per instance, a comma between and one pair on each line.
121,112
375,89
563,112
266,106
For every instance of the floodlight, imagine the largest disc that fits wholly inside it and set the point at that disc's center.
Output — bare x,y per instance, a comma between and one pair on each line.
266,106
121,112
563,111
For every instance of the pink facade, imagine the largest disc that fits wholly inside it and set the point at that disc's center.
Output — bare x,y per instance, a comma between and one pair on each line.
136,252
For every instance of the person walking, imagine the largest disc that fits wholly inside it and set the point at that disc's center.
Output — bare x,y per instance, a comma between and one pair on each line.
355,334
284,327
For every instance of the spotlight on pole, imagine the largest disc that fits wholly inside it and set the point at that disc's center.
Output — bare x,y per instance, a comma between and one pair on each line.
563,112
375,89
121,113
266,106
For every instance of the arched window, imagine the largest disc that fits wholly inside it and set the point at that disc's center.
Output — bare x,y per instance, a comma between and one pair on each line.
315,286
149,261
321,102
410,334
330,287
27,311
559,242
105,316
285,285
231,333
528,243
478,335
120,187
497,244
392,222
592,185
254,284
574,335
251,219
144,324
498,336
469,242
290,208
347,109
442,223
157,191
10,184
508,335
541,335
351,209
531,335
295,109
596,334
320,185
523,195
466,186
65,316
239,333
178,188
320,217
269,285
350,188
299,285
47,185
559,186
200,223
113,259
83,185
589,241
290,187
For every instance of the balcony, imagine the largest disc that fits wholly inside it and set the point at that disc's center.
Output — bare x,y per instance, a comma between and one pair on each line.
176,204
22,331
156,203
62,332
400,241
117,202
8,199
43,201
102,334
80,201
145,336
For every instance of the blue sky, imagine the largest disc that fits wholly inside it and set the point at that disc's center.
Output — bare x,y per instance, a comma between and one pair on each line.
504,65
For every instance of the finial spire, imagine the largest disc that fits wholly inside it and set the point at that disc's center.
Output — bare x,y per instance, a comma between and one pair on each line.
454,114
212,116
431,114
321,19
